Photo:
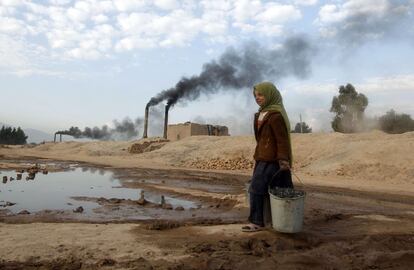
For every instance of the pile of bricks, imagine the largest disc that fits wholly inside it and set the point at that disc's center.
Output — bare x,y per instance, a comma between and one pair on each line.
239,163
146,146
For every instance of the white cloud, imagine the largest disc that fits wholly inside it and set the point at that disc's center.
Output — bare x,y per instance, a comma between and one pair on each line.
389,84
131,43
306,2
277,13
129,5
264,18
100,18
17,58
331,13
244,10
59,2
94,29
174,29
7,11
77,15
84,53
166,4
12,26
11,3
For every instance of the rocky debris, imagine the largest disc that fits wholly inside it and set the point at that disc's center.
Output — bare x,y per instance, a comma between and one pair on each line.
238,163
179,208
11,178
106,262
164,204
78,210
115,200
34,169
160,225
19,176
31,176
24,212
147,146
142,200
5,179
45,171
340,172
6,204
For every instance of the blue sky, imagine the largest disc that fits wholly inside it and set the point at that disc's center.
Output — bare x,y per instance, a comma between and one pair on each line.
86,63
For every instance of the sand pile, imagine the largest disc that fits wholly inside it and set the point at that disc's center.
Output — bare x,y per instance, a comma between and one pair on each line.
374,155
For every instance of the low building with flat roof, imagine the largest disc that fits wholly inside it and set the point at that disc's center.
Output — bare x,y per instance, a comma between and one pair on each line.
180,131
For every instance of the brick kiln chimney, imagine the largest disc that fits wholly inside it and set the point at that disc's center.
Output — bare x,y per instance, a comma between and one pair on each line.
60,136
167,108
146,122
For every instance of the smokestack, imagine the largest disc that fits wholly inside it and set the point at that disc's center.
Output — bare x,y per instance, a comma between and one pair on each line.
146,122
167,108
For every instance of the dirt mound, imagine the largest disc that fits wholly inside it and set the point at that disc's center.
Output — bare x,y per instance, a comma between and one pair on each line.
371,156
147,146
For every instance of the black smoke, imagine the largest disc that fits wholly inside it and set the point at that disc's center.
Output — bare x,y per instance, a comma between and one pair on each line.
238,69
389,19
121,130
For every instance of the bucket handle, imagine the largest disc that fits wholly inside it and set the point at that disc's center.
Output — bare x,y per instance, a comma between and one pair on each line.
297,177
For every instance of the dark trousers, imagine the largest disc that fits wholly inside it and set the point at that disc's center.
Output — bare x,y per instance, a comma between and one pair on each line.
263,178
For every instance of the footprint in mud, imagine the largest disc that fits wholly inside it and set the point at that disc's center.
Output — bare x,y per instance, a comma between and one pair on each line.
255,246
333,217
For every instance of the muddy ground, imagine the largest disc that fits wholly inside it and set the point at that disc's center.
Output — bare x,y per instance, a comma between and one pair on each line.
343,229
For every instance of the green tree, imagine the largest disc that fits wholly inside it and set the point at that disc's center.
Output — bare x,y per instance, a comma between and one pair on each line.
305,128
395,123
10,135
349,107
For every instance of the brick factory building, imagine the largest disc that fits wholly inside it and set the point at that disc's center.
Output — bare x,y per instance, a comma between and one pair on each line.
180,131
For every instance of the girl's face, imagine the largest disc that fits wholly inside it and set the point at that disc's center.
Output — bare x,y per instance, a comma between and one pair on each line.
260,99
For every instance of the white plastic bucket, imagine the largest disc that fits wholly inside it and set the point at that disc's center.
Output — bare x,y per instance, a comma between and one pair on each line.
287,213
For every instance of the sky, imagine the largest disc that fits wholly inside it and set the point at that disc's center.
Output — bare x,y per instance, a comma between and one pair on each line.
86,63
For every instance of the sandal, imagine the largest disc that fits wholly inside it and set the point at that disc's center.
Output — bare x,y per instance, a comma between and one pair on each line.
252,228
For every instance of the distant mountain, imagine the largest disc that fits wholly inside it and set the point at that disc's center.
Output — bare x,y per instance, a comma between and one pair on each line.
33,135
37,136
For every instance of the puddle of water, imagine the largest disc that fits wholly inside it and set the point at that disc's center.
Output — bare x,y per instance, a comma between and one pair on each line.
54,190
199,185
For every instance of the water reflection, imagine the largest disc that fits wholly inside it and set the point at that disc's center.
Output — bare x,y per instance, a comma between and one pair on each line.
54,191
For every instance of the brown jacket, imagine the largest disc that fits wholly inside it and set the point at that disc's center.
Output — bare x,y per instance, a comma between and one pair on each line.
272,138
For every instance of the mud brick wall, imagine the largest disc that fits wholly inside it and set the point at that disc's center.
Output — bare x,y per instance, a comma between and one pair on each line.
180,131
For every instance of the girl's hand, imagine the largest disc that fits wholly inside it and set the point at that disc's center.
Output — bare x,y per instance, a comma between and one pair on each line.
284,165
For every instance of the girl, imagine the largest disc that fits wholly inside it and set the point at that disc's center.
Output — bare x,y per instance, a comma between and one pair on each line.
273,152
